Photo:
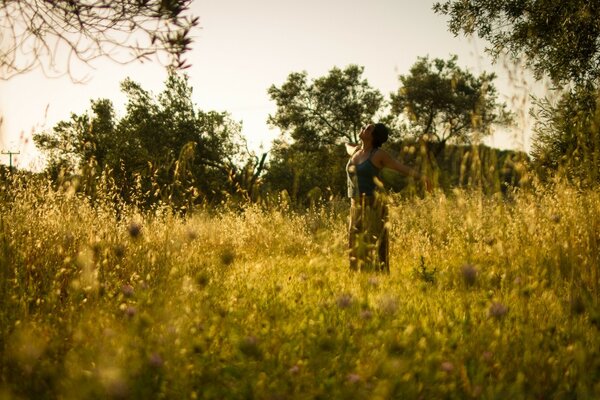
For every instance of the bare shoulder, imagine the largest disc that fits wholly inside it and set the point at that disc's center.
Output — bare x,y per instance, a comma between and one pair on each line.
381,158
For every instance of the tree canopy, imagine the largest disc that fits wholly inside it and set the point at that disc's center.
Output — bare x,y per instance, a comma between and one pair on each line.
57,35
440,100
327,109
162,142
557,38
315,117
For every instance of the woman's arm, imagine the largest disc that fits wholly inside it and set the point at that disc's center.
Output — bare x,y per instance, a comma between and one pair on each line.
387,161
351,148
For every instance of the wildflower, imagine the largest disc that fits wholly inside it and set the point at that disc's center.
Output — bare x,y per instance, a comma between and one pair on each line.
202,279
249,347
517,280
469,274
155,360
294,370
490,240
134,230
555,218
127,290
373,281
577,305
227,256
344,301
191,235
119,250
366,314
497,310
388,304
353,378
130,311
447,366
487,355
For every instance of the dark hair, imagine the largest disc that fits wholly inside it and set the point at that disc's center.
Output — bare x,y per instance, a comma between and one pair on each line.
380,134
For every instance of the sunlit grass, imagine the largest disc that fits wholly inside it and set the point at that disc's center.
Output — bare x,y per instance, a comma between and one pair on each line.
488,297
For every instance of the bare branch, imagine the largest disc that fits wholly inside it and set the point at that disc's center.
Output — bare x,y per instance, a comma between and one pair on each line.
55,35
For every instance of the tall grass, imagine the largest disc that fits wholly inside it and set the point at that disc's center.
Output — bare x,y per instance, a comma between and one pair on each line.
488,297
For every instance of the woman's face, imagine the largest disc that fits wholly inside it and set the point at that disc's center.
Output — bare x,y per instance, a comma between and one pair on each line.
366,132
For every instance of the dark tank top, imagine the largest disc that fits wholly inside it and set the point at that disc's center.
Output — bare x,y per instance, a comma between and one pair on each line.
361,178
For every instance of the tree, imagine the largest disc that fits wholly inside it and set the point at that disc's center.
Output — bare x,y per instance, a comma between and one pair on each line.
49,33
314,117
326,110
163,143
557,38
445,103
568,136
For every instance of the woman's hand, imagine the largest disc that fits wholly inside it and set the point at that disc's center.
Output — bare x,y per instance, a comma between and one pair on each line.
351,148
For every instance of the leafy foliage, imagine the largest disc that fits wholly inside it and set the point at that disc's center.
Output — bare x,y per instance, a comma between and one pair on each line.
568,136
163,143
440,101
437,102
329,109
315,117
57,35
558,38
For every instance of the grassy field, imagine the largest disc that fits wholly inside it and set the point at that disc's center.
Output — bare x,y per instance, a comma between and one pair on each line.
488,297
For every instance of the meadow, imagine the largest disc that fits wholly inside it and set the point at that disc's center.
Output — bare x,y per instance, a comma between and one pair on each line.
489,296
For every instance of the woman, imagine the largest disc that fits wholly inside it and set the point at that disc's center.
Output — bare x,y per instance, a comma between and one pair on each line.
368,231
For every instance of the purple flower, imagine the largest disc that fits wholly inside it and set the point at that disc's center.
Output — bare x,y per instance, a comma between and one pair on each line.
344,301
130,311
127,290
447,366
353,378
366,314
469,274
134,229
497,310
155,360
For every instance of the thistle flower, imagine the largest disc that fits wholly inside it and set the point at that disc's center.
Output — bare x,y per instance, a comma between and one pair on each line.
344,301
155,360
249,347
447,366
366,314
134,230
130,311
497,310
469,274
353,378
127,290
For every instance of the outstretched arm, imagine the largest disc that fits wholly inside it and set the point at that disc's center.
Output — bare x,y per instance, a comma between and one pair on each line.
388,161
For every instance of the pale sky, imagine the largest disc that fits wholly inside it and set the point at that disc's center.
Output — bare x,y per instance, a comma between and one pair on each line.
244,47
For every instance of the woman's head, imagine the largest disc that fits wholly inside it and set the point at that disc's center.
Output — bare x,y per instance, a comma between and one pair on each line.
380,134
377,134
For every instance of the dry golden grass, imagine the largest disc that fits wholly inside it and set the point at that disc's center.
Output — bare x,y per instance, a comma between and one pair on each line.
488,297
